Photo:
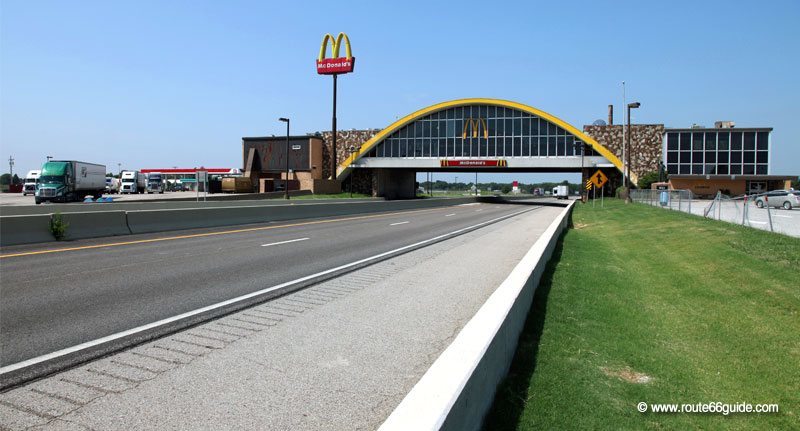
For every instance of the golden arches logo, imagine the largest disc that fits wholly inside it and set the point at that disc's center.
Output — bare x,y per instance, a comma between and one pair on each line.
472,126
335,65
336,45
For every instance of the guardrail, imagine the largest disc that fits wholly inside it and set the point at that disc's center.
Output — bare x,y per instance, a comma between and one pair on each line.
29,229
458,389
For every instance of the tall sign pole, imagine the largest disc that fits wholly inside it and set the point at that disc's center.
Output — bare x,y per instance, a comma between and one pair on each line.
333,127
335,66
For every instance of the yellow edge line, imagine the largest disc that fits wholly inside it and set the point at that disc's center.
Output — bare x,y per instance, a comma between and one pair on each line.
198,235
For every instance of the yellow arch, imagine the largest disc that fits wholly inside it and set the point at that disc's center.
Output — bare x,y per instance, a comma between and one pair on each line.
367,146
337,44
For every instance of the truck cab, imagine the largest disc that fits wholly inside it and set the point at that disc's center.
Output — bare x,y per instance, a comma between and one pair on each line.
129,182
155,183
29,188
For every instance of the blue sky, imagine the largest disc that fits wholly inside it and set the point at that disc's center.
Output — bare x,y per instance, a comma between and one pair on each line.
178,83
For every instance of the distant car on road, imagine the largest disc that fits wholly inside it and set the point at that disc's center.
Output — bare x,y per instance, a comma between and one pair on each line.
786,199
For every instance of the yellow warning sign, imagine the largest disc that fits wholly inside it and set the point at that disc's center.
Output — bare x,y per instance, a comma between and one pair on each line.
599,178
589,184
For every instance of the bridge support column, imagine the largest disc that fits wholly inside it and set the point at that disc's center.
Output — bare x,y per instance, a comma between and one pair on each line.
395,183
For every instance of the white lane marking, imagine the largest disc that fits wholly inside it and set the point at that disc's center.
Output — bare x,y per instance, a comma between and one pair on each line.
479,210
118,335
450,215
758,222
402,222
284,242
469,204
782,216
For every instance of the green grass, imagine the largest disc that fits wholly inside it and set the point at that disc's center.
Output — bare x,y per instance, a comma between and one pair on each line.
708,310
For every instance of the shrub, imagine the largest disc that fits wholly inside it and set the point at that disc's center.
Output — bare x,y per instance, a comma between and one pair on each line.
57,226
647,179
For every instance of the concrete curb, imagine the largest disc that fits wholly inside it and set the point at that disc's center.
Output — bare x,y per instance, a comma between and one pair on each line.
458,389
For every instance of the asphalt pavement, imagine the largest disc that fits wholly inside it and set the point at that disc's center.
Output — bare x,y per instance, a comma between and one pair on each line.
339,355
55,300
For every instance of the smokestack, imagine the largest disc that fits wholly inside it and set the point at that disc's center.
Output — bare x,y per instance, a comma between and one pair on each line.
610,115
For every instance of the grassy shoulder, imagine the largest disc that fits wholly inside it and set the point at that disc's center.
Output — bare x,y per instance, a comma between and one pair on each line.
641,304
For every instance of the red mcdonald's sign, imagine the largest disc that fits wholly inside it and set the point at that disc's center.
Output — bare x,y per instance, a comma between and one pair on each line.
501,163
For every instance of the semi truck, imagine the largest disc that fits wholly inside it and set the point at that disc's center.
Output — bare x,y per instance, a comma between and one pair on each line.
132,182
70,181
155,183
29,188
561,192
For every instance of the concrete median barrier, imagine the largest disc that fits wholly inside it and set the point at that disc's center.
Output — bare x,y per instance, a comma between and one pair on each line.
25,229
95,224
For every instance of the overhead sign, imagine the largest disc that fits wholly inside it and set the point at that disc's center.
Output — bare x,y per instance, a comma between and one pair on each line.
500,163
335,65
599,178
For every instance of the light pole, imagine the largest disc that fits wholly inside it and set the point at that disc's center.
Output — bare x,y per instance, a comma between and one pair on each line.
456,181
583,180
286,183
49,157
352,171
627,175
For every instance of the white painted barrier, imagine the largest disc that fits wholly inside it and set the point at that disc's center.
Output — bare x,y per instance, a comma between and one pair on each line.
458,389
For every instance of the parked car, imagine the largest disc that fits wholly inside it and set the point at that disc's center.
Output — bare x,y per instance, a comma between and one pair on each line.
786,199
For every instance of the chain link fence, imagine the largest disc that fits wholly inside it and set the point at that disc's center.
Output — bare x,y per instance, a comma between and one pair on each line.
738,209
678,200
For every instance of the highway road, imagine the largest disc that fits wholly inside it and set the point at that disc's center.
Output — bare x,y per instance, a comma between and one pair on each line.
58,296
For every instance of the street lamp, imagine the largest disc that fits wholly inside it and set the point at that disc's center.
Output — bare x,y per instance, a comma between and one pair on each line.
627,175
49,157
286,183
456,182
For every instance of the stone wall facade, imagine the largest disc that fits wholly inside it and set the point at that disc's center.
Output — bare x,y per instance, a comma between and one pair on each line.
646,144
344,139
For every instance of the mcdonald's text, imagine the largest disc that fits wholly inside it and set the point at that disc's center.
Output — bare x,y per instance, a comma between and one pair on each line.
330,66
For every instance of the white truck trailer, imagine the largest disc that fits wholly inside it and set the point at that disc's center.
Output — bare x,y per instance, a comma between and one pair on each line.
70,181
561,192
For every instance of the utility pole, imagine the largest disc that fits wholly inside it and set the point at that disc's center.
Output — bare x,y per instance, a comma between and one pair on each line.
11,169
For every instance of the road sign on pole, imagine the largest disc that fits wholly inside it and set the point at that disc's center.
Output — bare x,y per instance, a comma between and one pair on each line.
599,178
